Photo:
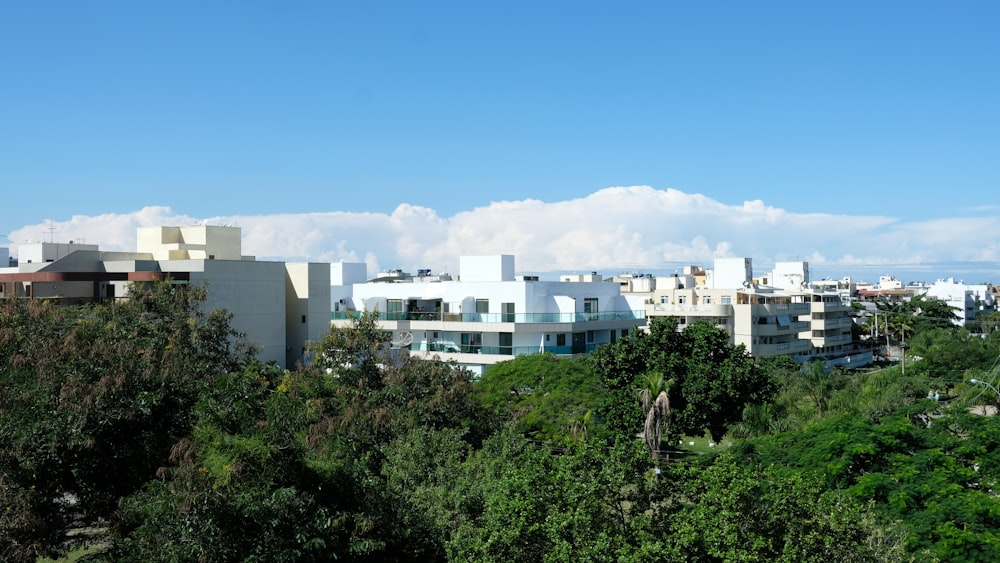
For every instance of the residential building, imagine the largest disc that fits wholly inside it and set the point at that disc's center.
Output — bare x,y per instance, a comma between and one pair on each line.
966,300
488,314
776,314
278,306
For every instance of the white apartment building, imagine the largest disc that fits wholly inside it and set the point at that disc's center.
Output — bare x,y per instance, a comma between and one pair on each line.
278,306
489,314
967,300
779,314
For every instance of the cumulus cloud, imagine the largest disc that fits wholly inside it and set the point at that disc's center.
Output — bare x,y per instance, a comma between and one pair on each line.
617,228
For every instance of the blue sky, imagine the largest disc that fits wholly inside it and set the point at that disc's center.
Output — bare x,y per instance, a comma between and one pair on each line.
881,117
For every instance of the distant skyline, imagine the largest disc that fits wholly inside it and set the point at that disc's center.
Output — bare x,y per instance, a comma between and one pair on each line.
862,137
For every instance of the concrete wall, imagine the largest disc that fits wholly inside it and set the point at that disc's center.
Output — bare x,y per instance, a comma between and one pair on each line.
254,292
36,252
307,307
790,275
730,272
197,242
494,268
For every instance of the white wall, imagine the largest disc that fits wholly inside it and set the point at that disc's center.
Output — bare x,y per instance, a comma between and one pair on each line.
730,273
790,275
494,268
40,252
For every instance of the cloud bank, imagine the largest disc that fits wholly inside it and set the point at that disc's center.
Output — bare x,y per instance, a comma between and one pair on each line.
635,228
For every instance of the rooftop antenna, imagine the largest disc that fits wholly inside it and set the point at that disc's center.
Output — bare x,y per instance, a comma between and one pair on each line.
51,230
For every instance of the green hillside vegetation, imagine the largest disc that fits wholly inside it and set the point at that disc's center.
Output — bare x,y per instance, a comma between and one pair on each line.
147,424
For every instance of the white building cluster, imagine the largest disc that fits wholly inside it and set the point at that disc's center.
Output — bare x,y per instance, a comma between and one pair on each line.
488,313
485,314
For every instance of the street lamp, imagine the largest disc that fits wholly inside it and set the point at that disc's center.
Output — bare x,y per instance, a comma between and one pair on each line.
992,388
980,381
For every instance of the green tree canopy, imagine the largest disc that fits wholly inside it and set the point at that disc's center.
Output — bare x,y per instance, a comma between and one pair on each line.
712,379
546,396
92,401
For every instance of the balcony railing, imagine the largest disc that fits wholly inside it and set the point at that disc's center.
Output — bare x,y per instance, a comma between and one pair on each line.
520,318
498,350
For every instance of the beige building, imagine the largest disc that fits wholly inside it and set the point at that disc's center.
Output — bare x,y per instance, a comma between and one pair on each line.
786,317
279,306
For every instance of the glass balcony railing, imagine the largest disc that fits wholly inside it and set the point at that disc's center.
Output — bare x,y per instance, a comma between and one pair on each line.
520,318
498,350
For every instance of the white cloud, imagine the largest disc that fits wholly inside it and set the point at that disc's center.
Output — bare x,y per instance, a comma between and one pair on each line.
615,228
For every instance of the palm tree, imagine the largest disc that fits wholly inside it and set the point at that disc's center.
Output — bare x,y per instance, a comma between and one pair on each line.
761,420
655,400
579,430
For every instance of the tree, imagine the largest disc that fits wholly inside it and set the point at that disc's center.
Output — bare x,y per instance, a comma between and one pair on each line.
948,352
654,397
936,476
731,512
585,502
546,396
351,458
818,386
713,379
93,399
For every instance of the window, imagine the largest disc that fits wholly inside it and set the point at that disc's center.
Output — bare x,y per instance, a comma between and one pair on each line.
482,305
507,312
560,340
624,332
394,309
682,299
590,308
472,342
664,299
727,300
707,300
507,343
303,318
590,336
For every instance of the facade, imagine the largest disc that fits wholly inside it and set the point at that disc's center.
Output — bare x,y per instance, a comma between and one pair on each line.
488,314
785,317
967,300
279,306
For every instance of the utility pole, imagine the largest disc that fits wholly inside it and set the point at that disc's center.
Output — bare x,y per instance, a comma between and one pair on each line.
876,327
902,349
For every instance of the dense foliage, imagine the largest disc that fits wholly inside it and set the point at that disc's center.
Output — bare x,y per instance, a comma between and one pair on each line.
707,380
150,420
92,401
547,397
938,475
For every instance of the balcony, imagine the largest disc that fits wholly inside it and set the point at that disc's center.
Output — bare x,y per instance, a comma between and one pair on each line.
518,318
474,354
